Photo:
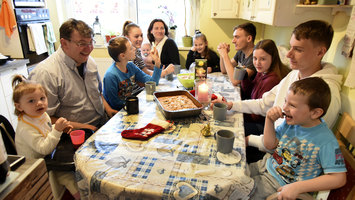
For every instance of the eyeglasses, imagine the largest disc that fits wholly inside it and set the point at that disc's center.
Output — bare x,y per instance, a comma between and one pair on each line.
83,44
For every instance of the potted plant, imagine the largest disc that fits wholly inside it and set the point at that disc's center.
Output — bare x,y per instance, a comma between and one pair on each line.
186,40
110,35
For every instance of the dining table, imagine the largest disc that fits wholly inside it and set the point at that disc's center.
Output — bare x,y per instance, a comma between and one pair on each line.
178,163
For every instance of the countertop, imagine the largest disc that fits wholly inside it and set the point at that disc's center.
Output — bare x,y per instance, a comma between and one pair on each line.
14,63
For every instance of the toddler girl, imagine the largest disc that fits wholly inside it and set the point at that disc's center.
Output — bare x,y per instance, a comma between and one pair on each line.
35,136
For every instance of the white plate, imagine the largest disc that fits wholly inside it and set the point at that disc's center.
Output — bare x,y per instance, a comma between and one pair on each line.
231,158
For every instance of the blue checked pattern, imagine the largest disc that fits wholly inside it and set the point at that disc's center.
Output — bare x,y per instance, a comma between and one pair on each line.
100,150
190,149
177,129
144,167
199,185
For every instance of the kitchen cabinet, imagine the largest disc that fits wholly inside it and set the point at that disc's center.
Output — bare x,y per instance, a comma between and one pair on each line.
225,9
7,72
279,12
274,12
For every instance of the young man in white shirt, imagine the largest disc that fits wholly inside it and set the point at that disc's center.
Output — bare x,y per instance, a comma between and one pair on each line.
309,43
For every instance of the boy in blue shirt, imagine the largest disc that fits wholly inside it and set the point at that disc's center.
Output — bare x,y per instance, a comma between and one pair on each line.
306,155
123,77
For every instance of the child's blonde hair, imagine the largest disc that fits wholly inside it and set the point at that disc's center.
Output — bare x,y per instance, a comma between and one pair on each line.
23,86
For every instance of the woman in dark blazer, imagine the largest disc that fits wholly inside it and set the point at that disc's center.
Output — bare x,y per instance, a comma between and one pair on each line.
167,48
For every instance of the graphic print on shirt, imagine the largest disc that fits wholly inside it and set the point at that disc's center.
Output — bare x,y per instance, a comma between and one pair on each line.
126,87
288,157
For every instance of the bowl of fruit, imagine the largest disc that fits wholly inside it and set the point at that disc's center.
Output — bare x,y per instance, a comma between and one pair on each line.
187,80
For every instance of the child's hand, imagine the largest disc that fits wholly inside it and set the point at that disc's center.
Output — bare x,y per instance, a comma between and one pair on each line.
274,113
155,57
62,124
289,191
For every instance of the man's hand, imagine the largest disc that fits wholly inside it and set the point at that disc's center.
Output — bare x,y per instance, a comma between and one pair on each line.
229,104
111,112
223,48
88,126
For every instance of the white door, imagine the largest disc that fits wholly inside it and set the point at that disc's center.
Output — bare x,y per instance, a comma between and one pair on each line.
247,9
264,11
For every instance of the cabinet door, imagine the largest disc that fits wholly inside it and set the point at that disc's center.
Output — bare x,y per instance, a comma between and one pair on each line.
264,11
247,9
225,9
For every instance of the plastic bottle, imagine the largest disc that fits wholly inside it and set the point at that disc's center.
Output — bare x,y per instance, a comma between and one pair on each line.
97,26
4,166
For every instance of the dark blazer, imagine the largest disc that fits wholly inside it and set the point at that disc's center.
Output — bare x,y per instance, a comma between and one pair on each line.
169,53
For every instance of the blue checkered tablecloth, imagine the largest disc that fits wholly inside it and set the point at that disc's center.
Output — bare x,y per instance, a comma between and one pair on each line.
179,163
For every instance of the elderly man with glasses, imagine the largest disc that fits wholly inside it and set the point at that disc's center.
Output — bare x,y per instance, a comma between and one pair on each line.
71,79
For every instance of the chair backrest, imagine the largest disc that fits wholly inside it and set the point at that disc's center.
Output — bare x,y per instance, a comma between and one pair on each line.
345,134
8,135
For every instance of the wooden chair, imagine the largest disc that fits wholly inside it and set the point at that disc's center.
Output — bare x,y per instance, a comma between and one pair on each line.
345,133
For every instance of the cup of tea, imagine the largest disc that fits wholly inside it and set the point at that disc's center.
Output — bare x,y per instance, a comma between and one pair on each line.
131,106
239,73
150,87
225,141
219,111
77,138
169,77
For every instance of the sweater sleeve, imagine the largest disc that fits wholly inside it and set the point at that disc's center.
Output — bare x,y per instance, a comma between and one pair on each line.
143,77
111,88
214,62
190,59
256,106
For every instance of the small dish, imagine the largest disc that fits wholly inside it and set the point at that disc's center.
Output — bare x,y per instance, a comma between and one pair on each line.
232,158
187,79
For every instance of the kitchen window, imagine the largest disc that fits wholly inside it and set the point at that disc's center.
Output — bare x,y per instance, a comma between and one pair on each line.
113,13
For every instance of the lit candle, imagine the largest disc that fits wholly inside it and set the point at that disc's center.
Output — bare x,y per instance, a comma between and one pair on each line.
202,94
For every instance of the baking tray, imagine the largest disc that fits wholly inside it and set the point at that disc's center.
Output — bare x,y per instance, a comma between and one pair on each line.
179,113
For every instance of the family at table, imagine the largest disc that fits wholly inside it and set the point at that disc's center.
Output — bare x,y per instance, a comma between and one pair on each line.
287,113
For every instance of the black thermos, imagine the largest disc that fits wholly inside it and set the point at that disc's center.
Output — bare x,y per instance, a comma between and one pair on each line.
4,164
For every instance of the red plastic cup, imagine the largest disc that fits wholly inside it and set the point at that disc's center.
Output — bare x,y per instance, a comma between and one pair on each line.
77,138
